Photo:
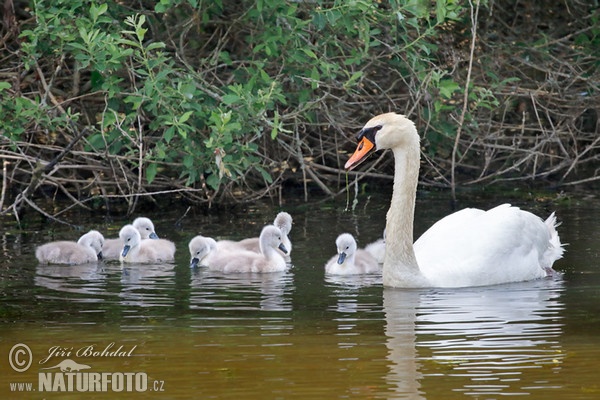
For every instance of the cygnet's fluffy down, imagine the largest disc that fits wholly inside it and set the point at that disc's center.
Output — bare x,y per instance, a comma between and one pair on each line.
377,249
283,221
235,260
86,250
136,250
200,247
114,247
350,260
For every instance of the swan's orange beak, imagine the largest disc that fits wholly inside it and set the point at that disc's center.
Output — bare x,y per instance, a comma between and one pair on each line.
365,146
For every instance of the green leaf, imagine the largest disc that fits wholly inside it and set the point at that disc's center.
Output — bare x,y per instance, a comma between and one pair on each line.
213,181
310,53
266,176
275,129
129,42
151,171
440,11
355,77
156,45
229,99
185,117
447,88
4,86
169,133
188,161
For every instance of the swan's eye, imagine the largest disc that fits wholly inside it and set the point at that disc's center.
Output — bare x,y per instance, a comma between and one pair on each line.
369,133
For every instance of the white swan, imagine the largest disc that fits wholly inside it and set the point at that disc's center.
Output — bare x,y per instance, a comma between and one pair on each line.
468,248
136,250
283,221
200,247
350,259
114,247
377,249
87,249
238,260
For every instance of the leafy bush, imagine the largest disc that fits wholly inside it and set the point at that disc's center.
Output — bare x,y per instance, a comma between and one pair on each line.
225,100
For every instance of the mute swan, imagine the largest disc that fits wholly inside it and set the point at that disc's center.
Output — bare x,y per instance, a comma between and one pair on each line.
470,247
377,249
283,221
238,260
113,247
351,260
136,250
200,247
87,249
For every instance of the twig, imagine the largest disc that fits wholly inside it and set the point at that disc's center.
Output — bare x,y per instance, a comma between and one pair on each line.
4,179
41,169
474,17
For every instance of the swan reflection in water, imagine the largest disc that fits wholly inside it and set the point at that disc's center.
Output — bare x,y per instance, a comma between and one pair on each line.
134,284
244,291
477,341
346,291
146,285
82,279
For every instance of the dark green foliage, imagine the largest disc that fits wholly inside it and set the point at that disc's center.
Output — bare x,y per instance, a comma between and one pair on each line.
227,99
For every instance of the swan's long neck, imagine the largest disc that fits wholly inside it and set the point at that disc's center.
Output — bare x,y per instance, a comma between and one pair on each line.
400,268
266,250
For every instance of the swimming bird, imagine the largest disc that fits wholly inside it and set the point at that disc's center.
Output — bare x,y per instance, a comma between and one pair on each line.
86,250
114,247
200,247
283,221
269,259
350,260
136,250
377,249
470,247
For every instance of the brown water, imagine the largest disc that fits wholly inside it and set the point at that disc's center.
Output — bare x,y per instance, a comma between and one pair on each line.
201,334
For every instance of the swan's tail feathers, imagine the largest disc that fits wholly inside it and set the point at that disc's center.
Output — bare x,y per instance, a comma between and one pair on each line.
556,249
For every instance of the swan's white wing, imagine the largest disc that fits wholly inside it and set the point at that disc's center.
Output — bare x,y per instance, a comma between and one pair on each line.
474,247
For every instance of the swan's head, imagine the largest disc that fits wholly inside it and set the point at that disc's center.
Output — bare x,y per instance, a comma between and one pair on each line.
385,131
93,239
200,247
346,246
283,221
272,237
146,228
130,237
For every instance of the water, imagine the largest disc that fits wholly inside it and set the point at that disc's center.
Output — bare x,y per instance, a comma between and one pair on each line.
299,334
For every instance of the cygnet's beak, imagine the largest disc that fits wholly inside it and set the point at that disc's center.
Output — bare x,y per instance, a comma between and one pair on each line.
341,258
282,248
126,250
